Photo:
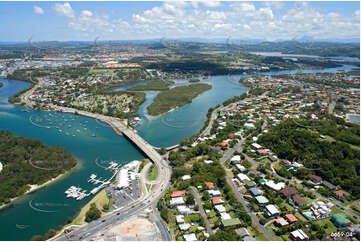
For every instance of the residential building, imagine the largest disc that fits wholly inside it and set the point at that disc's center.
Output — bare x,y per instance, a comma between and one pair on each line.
289,191
177,194
342,195
298,235
291,218
298,200
315,179
255,191
279,221
329,185
272,211
190,237
261,200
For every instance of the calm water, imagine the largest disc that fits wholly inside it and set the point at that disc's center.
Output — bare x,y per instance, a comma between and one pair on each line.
161,131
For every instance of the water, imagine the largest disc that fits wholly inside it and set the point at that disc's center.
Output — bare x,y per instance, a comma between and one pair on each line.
353,118
280,54
106,145
161,131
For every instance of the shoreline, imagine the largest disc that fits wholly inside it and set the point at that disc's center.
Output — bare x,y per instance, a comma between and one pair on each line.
36,187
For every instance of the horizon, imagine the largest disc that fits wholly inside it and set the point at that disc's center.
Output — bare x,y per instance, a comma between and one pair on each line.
107,21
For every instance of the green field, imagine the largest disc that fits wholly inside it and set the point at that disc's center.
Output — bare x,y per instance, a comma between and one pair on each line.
176,97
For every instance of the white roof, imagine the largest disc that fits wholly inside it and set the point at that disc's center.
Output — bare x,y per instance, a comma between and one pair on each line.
208,161
299,234
183,209
184,226
272,209
190,237
214,192
220,208
240,167
243,177
186,177
123,178
275,186
236,158
225,215
257,146
176,201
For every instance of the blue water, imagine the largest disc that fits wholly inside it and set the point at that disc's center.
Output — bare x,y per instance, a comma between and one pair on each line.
161,131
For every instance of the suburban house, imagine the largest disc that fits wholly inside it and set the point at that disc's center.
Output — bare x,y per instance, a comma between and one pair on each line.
298,200
291,218
280,222
261,199
217,200
210,185
341,195
272,211
329,185
190,237
177,194
315,179
255,191
298,235
289,191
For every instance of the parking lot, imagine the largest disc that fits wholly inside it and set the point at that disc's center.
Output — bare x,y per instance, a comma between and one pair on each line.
121,197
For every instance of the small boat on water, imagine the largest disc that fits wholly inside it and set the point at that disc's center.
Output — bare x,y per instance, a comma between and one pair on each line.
93,135
20,226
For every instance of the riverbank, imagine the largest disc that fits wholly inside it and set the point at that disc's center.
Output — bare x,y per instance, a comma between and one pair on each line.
36,187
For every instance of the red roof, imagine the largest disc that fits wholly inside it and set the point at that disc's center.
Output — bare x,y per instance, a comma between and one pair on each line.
177,194
291,218
210,185
217,200
314,177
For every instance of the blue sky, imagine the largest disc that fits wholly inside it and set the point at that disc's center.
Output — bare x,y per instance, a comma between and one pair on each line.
175,19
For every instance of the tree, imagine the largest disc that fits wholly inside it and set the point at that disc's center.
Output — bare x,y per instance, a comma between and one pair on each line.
93,213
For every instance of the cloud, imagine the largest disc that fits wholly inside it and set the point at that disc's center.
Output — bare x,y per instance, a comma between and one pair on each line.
64,10
203,19
38,10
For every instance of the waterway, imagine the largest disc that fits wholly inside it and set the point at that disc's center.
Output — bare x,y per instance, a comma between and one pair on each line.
78,139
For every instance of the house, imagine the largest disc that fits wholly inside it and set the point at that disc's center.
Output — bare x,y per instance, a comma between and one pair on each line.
242,177
208,162
272,211
340,220
329,185
240,168
180,219
280,222
190,237
220,208
231,222
298,200
225,216
285,162
217,200
257,146
261,199
275,186
186,177
255,191
184,210
341,195
263,151
291,218
314,178
177,194
235,159
273,158
242,232
298,235
176,201
249,126
249,238
210,185
214,193
289,191
250,184
184,226
216,149
254,173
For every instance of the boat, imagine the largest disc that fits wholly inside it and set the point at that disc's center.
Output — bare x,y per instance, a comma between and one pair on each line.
93,135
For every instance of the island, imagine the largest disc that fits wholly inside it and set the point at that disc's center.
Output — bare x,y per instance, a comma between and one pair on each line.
26,164
176,97
154,85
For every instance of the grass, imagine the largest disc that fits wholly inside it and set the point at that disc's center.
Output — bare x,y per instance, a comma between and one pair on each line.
100,199
100,71
154,85
330,227
152,173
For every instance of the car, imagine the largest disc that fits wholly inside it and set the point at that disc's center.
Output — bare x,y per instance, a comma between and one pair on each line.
133,206
118,213
355,216
103,220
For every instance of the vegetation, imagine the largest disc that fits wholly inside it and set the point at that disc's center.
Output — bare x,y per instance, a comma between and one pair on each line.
1,84
194,80
154,85
27,161
93,213
152,173
176,97
334,161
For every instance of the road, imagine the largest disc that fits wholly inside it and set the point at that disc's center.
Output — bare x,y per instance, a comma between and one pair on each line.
207,130
201,210
224,158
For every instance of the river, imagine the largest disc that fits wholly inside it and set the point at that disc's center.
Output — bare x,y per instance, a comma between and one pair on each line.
160,131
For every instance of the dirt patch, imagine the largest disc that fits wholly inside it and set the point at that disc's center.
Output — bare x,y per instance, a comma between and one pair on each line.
133,227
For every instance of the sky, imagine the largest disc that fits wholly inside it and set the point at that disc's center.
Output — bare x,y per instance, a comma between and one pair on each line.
62,21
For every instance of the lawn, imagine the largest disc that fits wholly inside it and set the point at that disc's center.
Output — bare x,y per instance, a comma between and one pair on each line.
152,173
330,227
100,199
